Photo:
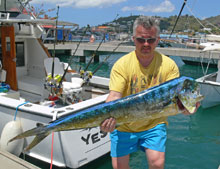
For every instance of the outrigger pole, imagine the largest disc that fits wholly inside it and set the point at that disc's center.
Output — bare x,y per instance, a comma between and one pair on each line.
184,3
94,53
55,41
106,58
73,55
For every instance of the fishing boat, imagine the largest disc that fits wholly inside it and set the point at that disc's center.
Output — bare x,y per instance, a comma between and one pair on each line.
30,78
210,83
210,40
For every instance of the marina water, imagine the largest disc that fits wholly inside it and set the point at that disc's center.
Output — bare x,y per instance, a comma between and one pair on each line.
193,141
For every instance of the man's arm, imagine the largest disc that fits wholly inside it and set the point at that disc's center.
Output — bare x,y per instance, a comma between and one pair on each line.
113,95
108,125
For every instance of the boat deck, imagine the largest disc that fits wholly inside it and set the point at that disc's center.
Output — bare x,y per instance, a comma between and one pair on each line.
8,160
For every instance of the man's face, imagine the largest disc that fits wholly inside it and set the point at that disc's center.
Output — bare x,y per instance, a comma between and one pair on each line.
146,41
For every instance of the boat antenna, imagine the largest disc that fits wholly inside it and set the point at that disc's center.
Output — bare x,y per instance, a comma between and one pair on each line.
23,5
106,58
5,6
55,41
94,53
71,58
184,3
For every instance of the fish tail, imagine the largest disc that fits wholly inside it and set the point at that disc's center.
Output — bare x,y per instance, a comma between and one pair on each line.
36,140
40,133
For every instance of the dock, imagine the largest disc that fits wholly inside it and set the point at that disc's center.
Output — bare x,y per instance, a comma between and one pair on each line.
88,49
10,161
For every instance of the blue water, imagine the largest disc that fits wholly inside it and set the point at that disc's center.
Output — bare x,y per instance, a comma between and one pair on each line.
185,70
193,141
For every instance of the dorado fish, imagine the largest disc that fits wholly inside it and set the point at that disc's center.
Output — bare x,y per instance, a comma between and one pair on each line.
166,99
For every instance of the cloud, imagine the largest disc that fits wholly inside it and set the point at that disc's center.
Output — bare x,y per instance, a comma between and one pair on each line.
80,3
165,6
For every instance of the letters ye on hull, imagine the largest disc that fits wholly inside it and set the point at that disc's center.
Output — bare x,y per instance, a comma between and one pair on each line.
93,136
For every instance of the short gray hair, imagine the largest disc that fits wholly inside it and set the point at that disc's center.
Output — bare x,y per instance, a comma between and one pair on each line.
147,22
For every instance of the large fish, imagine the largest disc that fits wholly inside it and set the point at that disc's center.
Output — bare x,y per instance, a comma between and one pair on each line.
169,98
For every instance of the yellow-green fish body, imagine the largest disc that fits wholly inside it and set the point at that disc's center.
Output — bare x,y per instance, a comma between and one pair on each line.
166,99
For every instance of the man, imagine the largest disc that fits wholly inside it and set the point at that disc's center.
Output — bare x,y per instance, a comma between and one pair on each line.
135,72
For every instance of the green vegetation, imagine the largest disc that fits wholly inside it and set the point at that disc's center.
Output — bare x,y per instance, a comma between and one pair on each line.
186,24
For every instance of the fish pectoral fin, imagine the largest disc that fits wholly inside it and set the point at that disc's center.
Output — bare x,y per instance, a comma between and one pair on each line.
189,106
191,109
87,129
38,138
39,125
117,125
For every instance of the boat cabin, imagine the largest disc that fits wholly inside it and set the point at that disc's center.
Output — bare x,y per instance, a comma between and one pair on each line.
31,89
23,53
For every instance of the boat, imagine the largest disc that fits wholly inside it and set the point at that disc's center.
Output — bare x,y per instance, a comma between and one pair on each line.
210,83
210,40
28,95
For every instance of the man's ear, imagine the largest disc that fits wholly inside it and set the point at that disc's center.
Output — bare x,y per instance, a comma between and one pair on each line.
158,38
133,38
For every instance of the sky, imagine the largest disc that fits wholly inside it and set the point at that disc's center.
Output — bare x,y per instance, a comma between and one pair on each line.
97,12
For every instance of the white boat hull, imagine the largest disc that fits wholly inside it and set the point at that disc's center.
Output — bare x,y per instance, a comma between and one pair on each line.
70,148
211,90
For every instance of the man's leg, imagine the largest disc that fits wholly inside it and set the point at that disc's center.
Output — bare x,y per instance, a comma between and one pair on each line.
155,159
122,145
154,142
120,162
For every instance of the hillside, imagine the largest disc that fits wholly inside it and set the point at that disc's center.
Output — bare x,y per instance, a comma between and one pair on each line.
185,23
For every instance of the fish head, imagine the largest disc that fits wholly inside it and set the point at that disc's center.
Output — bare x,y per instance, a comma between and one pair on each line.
189,94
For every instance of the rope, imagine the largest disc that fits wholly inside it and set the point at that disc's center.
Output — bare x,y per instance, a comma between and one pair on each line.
205,71
17,109
217,90
196,18
51,162
188,21
205,20
15,119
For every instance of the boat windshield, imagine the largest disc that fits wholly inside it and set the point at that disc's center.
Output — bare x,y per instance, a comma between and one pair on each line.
10,6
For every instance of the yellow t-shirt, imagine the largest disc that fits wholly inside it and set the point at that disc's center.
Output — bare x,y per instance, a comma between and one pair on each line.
128,77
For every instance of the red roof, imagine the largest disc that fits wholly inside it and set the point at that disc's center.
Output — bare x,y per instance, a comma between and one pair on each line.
103,27
48,26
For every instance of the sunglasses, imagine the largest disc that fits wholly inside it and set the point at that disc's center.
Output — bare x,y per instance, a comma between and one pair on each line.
143,40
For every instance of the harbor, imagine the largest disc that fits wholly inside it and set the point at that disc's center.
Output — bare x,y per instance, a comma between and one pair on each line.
198,134
88,49
53,91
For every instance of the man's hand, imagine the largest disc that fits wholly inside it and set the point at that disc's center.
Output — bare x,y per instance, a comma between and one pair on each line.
186,112
108,125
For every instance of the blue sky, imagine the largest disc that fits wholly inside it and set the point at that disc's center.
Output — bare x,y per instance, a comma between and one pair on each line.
94,12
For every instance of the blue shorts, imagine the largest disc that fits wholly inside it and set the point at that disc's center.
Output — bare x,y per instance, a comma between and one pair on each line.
124,143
